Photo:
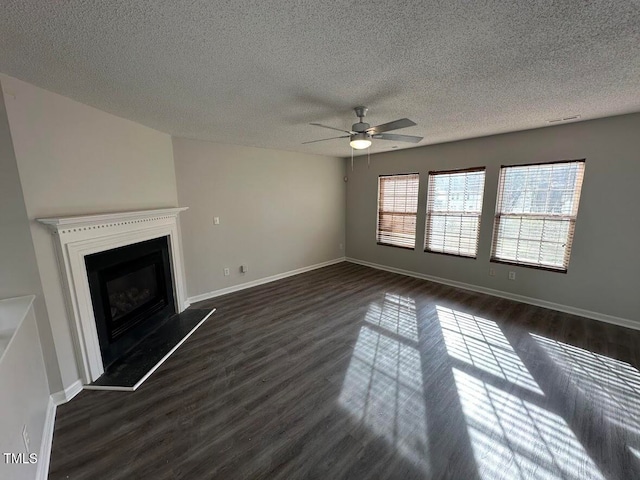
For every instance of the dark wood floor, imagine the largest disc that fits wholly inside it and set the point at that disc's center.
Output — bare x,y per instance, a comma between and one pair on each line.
350,372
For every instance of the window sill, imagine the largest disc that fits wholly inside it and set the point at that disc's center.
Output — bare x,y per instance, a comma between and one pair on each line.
528,265
395,246
474,257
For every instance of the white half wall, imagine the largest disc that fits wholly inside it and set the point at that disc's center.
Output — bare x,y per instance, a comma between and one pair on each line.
24,387
279,211
74,159
24,393
604,267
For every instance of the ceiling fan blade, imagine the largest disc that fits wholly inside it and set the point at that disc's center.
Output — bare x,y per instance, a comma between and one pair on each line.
323,139
395,125
397,138
333,128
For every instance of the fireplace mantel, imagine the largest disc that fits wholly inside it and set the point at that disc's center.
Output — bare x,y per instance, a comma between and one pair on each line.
78,236
101,220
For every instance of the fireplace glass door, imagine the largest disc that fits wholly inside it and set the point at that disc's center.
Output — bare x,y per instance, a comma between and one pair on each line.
131,293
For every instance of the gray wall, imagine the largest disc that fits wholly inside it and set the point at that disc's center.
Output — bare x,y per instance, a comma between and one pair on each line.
279,211
24,391
604,266
74,159
18,268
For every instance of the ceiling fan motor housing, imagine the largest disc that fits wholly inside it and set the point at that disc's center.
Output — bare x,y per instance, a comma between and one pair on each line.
360,136
360,127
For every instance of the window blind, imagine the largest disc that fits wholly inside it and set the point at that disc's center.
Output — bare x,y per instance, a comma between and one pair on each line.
397,209
536,213
454,206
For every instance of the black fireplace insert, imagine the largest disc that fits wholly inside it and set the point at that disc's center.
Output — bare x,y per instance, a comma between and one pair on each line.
132,294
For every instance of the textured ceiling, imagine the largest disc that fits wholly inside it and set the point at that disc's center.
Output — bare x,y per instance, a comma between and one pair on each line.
257,72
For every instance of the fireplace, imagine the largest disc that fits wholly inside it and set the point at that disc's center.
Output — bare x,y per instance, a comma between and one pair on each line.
131,293
80,240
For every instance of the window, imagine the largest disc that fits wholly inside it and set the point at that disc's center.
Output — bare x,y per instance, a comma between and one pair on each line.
536,214
397,208
454,205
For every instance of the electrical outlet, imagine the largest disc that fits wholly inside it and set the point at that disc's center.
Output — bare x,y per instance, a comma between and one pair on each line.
216,220
25,437
492,272
341,246
226,272
512,275
244,268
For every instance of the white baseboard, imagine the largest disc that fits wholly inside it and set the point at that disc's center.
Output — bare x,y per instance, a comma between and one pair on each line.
44,456
68,393
261,281
622,322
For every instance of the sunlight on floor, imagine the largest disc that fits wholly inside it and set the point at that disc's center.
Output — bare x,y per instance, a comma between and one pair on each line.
397,315
612,384
514,439
481,343
383,385
512,436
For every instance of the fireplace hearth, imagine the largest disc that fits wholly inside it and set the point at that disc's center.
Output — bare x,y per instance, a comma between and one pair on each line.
131,293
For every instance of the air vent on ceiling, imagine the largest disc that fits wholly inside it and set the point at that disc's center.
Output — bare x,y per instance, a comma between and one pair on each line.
564,119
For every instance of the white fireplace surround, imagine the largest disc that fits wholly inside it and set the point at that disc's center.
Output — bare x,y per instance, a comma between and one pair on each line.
78,236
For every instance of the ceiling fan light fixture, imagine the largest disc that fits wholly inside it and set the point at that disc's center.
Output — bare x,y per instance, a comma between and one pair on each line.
360,141
361,134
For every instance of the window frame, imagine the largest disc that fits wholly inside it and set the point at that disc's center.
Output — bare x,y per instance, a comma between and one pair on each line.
378,212
428,211
572,221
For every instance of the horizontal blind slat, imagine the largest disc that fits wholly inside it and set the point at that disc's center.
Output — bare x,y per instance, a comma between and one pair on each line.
397,209
454,206
536,210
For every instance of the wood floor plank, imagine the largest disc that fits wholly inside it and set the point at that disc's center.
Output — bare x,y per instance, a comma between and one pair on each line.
347,372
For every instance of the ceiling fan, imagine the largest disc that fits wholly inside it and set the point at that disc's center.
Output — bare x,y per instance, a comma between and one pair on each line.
362,133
